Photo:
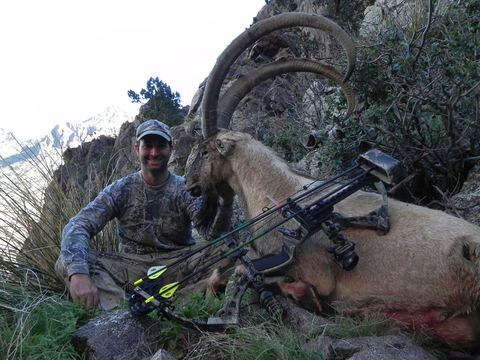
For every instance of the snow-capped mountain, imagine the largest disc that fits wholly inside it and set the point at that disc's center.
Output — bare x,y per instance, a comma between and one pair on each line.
27,167
31,162
61,137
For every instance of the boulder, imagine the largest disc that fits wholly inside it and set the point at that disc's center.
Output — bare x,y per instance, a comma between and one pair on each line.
117,335
379,348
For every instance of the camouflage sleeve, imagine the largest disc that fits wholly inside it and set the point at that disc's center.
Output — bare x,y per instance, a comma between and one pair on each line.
80,229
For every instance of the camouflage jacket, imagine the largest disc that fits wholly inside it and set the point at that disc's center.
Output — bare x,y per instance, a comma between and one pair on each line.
149,220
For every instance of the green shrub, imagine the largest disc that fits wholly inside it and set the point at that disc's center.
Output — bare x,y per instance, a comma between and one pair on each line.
417,83
284,137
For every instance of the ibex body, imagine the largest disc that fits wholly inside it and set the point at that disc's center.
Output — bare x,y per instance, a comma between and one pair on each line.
425,272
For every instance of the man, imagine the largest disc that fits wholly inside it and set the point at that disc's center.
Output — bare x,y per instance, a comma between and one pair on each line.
154,217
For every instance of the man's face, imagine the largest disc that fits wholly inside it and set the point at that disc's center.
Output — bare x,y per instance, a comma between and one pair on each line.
154,152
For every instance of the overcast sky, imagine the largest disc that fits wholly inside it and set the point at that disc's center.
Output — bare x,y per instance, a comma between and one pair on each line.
68,60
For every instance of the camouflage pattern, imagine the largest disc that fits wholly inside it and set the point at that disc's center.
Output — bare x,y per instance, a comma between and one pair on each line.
154,127
114,273
150,220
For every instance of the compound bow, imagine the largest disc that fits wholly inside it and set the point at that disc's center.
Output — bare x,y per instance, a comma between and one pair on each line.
150,293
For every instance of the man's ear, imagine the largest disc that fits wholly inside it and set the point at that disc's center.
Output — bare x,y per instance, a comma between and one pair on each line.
137,149
224,147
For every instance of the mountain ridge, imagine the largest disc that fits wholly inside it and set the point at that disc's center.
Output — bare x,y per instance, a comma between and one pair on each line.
31,164
61,137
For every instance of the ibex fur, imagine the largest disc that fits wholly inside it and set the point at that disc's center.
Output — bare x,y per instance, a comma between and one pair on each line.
425,272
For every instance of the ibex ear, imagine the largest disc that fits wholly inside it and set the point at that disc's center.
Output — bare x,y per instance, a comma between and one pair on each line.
224,147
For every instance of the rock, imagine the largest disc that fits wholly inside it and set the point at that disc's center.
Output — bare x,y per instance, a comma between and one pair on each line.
379,348
467,201
162,355
301,320
117,335
184,137
389,347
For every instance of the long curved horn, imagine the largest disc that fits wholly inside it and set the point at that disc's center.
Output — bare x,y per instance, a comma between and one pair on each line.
242,86
247,38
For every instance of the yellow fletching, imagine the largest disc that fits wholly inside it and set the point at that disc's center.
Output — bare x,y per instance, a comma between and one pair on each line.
168,290
156,271
157,274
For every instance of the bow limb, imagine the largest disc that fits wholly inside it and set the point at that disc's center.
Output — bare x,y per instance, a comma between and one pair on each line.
168,313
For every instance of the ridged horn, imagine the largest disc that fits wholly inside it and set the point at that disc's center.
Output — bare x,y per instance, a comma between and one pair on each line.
250,36
242,86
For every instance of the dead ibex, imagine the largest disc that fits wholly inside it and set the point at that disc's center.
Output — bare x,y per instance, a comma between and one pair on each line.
424,272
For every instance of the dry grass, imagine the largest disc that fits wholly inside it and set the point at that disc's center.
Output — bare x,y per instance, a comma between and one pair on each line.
36,317
33,214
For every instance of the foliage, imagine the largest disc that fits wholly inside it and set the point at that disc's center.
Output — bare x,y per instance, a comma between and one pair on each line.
35,324
417,81
161,103
198,307
284,6
201,307
370,325
269,341
344,12
417,88
284,138
331,159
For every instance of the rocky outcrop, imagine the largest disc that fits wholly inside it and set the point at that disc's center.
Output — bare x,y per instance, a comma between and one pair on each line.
87,165
119,335
466,203
184,138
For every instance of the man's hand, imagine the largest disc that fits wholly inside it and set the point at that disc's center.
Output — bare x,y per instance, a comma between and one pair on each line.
83,290
226,194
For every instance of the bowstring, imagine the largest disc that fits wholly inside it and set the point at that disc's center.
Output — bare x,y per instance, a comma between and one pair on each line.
257,223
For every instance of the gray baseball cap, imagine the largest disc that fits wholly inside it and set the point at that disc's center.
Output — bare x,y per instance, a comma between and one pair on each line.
154,127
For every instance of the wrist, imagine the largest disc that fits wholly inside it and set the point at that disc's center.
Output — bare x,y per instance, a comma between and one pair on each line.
225,202
78,276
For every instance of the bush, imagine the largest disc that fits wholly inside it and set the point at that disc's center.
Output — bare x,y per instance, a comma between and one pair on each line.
418,85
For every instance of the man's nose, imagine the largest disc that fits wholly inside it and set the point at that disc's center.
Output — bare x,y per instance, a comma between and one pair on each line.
155,151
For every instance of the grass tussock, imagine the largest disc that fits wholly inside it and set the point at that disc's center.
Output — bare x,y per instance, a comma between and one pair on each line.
37,324
37,319
261,338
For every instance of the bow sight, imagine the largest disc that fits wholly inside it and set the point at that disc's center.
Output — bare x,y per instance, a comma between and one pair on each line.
151,294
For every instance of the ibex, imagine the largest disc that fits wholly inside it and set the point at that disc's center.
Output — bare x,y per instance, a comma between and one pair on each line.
424,272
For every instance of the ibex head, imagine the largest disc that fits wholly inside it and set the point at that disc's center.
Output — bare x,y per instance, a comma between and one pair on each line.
206,163
207,170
